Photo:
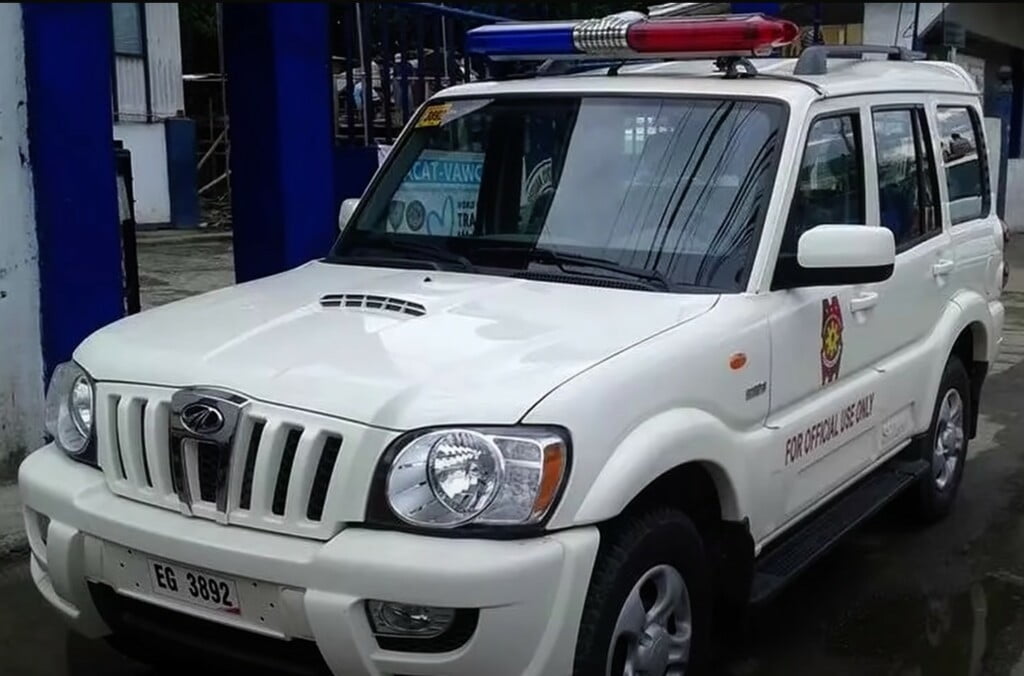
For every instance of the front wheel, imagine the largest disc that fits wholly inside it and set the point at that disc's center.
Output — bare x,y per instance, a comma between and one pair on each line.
944,447
648,610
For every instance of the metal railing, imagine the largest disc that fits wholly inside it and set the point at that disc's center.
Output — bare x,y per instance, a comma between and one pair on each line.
403,53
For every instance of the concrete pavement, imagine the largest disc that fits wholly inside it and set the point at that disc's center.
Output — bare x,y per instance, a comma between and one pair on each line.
174,265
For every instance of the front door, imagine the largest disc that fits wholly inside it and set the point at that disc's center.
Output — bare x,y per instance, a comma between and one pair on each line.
824,386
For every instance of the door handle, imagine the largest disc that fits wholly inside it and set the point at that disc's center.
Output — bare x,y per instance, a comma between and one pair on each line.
863,301
943,267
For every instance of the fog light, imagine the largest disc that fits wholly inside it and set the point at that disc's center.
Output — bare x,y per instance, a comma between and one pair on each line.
399,619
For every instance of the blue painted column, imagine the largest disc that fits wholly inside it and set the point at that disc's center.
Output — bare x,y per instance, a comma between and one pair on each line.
180,135
281,115
1004,110
68,66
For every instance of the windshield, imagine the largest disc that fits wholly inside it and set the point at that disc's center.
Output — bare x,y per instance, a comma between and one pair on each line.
660,193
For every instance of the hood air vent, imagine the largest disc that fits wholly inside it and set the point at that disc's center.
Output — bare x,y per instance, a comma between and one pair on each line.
380,303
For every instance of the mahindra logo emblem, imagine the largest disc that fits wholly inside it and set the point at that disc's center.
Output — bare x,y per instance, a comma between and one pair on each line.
202,419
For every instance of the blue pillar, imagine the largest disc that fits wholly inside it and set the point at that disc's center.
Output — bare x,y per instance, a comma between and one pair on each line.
1004,110
180,134
282,134
68,66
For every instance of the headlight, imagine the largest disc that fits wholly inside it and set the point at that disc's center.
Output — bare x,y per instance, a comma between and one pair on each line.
70,410
446,478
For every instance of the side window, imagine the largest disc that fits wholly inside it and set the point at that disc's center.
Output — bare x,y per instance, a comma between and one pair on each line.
830,185
907,192
966,169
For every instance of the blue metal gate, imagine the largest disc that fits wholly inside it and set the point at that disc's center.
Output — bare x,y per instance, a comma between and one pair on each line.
390,56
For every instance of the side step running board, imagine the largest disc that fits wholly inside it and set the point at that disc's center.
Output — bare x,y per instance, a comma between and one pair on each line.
809,541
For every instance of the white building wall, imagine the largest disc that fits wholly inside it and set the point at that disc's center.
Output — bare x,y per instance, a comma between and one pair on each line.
143,136
21,361
131,87
892,23
1015,195
164,45
163,54
149,169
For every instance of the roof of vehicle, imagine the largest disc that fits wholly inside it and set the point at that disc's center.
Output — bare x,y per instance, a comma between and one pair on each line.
845,77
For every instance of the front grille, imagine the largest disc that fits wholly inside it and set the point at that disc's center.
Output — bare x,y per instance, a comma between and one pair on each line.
207,471
158,636
284,474
322,479
276,474
245,501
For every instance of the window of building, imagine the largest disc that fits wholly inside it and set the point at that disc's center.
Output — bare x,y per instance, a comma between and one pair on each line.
907,192
127,17
966,169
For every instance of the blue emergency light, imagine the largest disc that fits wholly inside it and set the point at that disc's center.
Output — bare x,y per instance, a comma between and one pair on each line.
632,34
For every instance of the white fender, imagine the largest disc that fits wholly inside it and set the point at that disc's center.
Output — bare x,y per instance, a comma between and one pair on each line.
967,309
663,443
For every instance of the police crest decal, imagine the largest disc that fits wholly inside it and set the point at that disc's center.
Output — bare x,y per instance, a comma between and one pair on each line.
831,340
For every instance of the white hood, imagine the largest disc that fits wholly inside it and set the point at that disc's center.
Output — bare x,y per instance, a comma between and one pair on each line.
486,350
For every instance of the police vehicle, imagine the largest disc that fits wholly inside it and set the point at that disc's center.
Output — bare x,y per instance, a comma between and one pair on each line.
603,353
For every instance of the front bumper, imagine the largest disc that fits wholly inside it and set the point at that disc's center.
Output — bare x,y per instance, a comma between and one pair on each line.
529,593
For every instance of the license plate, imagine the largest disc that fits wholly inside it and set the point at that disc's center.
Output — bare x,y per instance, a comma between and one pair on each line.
194,586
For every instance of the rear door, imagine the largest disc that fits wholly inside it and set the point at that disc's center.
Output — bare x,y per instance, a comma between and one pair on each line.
908,305
974,228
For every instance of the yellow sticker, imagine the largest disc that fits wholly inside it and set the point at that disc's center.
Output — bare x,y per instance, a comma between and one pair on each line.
433,116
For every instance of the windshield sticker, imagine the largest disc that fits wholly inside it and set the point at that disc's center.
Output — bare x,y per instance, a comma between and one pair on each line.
831,340
440,114
438,195
433,116
539,181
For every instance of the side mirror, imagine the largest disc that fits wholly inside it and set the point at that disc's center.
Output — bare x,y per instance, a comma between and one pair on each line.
348,207
833,255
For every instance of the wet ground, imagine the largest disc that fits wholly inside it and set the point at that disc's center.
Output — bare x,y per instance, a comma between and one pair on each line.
175,264
892,600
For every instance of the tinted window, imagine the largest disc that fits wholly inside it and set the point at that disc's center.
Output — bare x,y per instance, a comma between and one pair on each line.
966,170
678,187
830,186
907,196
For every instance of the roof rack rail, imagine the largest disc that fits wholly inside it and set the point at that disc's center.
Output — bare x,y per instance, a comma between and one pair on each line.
814,59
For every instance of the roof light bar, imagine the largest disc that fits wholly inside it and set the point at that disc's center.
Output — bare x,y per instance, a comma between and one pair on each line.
631,34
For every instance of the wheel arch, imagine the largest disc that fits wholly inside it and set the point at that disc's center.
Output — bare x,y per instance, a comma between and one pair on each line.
687,445
700,488
971,347
976,343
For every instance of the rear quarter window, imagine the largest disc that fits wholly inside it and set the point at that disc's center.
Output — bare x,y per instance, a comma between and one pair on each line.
965,162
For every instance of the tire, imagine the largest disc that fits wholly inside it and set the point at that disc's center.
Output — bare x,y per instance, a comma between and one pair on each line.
638,560
946,437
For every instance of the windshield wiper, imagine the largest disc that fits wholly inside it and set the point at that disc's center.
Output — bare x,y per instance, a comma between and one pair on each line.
652,278
422,250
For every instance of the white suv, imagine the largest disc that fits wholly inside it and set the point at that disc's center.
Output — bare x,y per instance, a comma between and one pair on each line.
597,355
